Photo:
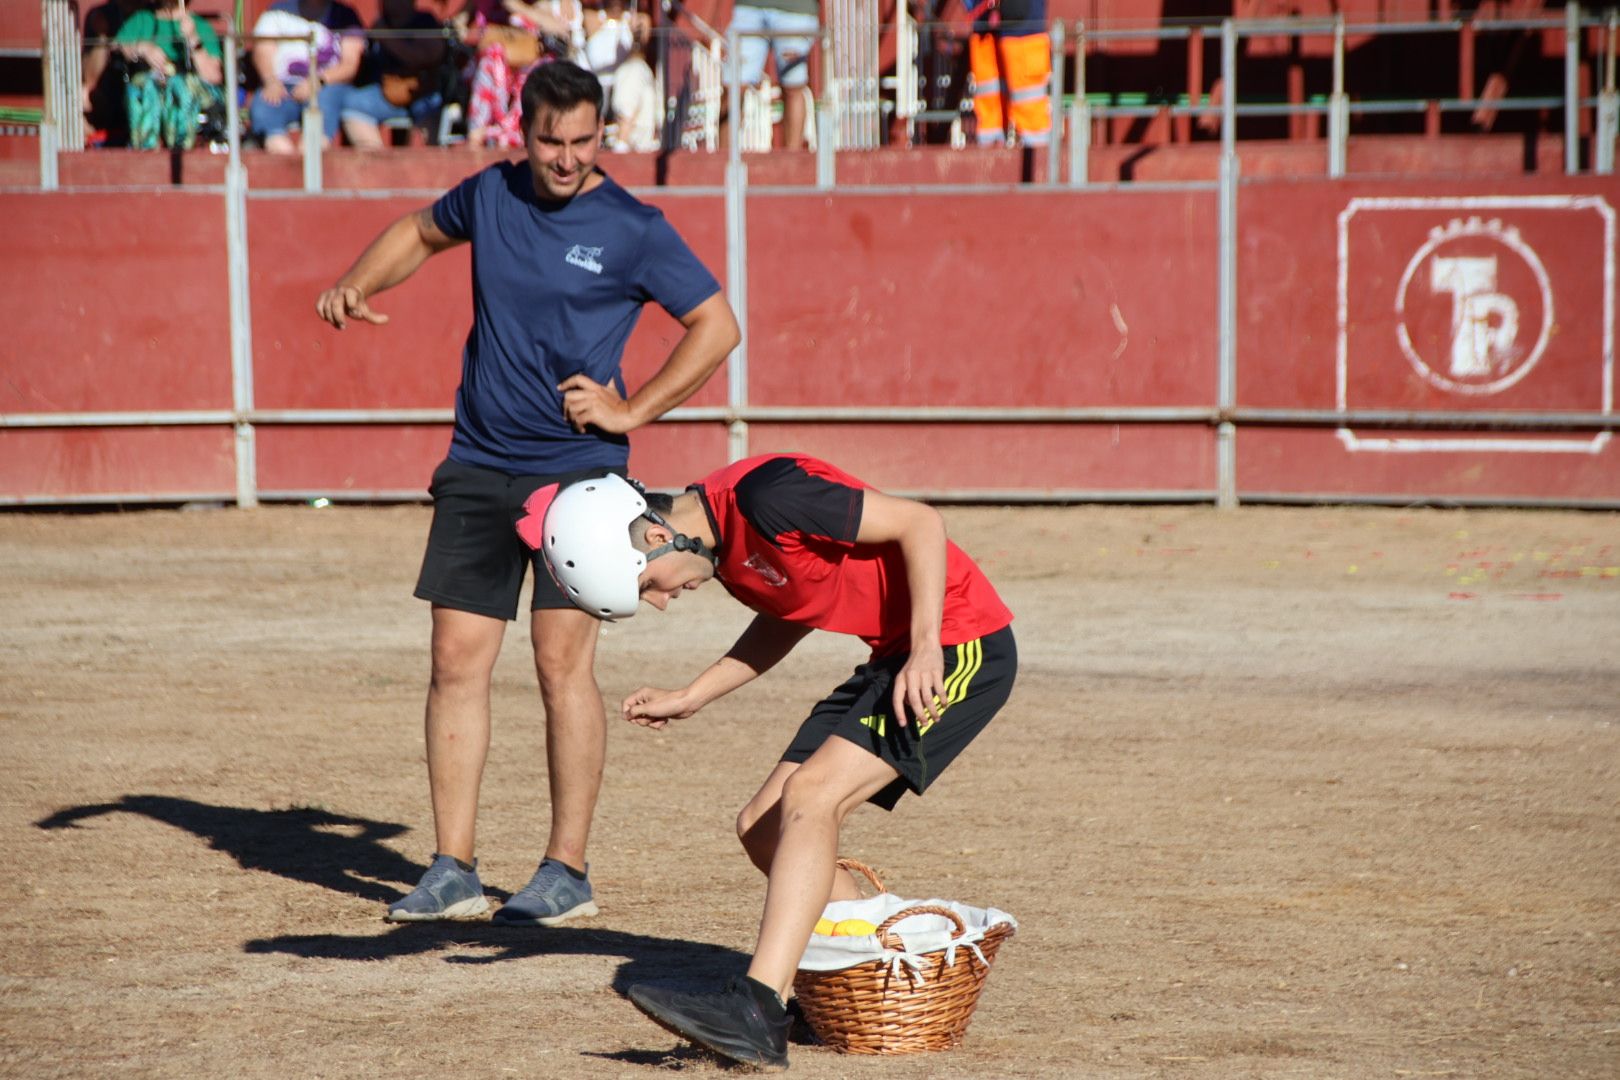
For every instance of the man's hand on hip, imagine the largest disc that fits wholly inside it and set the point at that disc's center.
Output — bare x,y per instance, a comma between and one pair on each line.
587,403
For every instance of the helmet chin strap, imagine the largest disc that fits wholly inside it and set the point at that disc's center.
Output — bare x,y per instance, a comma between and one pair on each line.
681,541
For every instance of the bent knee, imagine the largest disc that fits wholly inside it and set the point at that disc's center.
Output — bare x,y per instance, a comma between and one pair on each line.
804,794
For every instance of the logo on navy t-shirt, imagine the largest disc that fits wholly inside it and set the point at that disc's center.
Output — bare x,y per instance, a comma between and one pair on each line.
586,258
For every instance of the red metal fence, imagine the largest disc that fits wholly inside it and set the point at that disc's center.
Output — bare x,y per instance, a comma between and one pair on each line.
1394,340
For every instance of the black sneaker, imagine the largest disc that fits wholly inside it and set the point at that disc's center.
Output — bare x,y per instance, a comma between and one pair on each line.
745,1022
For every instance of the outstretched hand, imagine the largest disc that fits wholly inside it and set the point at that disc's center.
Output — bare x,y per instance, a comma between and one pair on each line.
654,708
341,303
587,403
920,686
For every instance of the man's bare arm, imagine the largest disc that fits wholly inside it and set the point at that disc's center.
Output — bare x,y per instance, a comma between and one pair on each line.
711,334
391,258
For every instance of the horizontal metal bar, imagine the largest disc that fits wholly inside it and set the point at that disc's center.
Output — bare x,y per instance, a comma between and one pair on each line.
120,189
964,495
1056,495
1306,27
175,418
971,414
114,499
1523,421
878,414
1289,27
349,416
1283,108
429,194
1159,33
1253,498
348,495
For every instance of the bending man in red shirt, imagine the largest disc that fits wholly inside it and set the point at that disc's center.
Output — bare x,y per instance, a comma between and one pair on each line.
807,546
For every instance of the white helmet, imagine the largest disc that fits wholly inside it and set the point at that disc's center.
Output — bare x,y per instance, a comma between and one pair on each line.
586,543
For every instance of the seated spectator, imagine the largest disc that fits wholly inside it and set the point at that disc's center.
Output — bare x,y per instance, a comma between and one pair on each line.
180,76
615,38
102,89
284,67
789,29
404,74
513,38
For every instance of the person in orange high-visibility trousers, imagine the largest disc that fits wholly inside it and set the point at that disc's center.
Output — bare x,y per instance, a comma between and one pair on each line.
1011,57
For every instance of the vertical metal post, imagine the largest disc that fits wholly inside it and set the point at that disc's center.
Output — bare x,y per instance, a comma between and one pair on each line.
1079,116
48,177
314,128
733,99
236,268
827,126
1226,432
906,98
1608,125
48,131
736,254
1338,106
1572,88
826,149
1054,151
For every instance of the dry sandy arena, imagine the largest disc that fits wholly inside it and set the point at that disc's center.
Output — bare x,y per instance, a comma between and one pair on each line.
1281,793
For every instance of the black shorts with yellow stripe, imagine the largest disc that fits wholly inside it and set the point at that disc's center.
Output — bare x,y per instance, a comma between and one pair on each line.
979,677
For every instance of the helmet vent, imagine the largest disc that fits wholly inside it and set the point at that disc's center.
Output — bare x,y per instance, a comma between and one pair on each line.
569,563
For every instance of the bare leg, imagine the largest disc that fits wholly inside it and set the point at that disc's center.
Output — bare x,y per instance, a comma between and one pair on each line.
816,797
363,134
465,646
793,110
280,143
759,826
576,726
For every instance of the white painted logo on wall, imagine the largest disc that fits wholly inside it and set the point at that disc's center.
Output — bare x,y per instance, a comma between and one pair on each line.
1462,276
1472,304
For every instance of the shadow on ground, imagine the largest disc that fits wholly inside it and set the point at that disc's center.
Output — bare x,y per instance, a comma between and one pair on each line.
334,851
673,961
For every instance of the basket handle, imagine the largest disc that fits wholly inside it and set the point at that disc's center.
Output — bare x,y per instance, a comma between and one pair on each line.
857,867
884,935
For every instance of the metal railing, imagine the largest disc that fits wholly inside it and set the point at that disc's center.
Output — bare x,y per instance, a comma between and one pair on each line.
1224,416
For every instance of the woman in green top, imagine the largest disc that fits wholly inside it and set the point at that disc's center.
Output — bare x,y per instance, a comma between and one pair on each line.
182,78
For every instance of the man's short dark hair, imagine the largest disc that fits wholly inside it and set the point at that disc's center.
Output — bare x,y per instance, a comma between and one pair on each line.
559,87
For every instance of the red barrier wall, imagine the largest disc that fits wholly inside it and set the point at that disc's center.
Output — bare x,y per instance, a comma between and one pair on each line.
901,299
114,303
989,299
1410,296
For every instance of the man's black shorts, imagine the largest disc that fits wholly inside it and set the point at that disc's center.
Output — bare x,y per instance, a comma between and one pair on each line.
979,677
475,561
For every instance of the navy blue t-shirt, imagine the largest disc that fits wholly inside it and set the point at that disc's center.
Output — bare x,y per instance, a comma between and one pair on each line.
557,288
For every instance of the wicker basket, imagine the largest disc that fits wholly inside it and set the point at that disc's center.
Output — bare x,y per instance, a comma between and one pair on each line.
868,1009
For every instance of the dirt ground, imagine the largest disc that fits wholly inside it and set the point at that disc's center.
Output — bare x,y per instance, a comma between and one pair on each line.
1281,793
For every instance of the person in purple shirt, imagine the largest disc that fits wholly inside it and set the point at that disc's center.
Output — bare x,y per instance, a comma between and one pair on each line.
563,260
282,59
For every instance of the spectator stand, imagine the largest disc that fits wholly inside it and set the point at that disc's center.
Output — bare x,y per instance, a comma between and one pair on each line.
1338,77
692,74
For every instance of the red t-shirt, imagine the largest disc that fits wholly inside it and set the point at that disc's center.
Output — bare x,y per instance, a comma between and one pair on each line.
785,526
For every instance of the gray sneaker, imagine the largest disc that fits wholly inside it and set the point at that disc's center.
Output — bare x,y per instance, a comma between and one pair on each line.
446,891
552,896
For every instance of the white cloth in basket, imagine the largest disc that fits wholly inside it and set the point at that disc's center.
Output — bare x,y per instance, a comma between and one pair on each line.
918,934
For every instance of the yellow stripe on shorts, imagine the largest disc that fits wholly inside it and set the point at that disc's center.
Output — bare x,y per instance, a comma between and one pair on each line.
969,658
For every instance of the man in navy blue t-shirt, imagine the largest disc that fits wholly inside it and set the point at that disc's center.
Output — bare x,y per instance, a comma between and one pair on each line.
563,260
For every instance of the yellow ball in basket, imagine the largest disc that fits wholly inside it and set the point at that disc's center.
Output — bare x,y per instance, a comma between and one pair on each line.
854,928
824,927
